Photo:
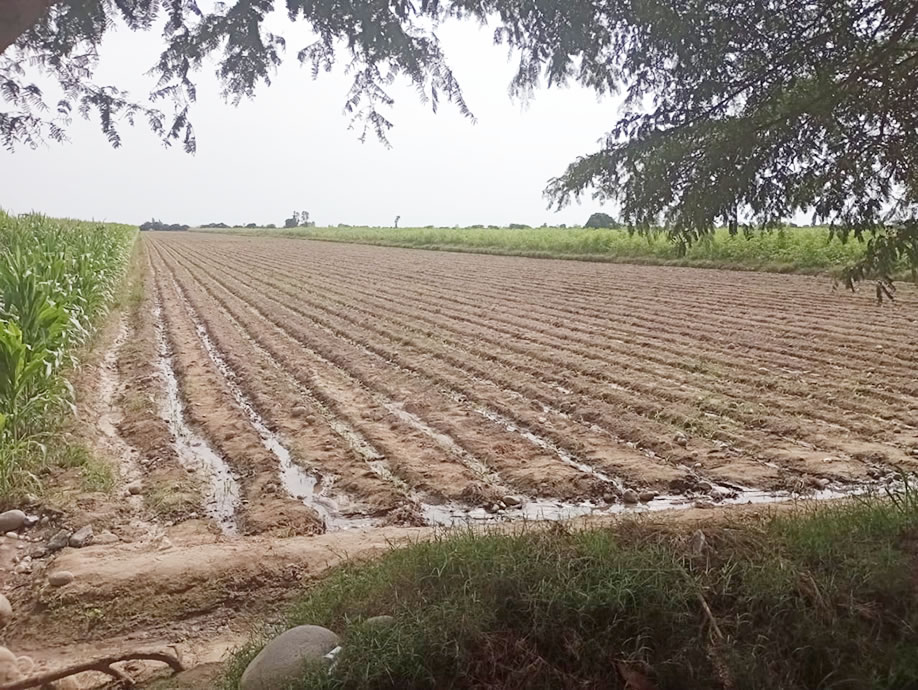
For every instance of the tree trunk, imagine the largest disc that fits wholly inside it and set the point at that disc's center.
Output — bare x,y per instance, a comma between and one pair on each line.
17,16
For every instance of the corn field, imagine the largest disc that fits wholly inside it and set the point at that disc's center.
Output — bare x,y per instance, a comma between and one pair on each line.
57,277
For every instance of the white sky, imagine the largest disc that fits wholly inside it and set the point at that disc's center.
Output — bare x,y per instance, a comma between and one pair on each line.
290,148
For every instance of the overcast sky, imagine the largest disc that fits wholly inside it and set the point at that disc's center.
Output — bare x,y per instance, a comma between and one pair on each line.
290,148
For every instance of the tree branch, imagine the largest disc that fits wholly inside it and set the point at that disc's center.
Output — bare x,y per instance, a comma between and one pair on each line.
102,665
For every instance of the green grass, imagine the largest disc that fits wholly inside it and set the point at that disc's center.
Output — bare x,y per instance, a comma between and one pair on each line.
824,599
790,249
57,280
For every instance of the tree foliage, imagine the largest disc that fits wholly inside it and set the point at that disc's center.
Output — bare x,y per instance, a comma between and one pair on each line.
601,220
739,113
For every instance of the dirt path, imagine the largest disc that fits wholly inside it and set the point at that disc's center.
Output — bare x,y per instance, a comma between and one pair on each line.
273,408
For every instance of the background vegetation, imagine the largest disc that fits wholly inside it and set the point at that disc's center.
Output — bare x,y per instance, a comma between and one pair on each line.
57,277
811,249
819,599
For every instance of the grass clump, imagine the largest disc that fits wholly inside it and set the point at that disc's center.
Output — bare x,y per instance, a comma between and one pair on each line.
823,599
57,278
811,249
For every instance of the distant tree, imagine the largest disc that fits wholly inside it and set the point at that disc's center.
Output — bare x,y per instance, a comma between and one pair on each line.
271,226
601,220
251,225
520,226
397,219
160,226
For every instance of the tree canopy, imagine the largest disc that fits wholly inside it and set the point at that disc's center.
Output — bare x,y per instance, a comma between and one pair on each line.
739,113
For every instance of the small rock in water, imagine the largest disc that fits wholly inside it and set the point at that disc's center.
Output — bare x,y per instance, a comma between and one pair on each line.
379,622
135,487
512,501
819,482
630,496
704,502
704,486
647,496
106,537
11,520
609,498
283,659
6,611
699,542
59,578
59,540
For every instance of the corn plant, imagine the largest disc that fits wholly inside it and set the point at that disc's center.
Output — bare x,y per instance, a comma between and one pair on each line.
56,279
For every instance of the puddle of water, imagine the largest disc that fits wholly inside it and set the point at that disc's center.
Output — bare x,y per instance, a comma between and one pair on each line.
544,510
222,489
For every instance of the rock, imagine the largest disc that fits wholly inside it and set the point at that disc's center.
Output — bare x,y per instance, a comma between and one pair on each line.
59,540
647,496
11,669
82,537
705,487
680,439
705,502
135,487
609,498
6,611
512,501
59,578
283,659
630,496
105,538
680,485
11,535
11,520
30,521
379,622
819,482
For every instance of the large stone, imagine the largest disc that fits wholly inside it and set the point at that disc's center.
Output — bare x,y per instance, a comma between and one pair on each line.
285,658
81,537
6,611
630,496
59,540
59,578
105,538
11,520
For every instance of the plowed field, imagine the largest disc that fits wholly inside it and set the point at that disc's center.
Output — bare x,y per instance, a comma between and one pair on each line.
338,386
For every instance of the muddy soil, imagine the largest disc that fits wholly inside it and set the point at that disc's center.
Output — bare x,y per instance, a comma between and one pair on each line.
270,408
